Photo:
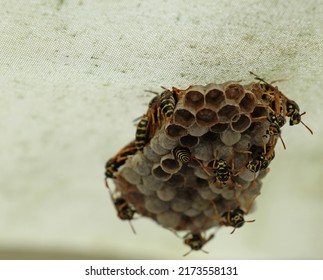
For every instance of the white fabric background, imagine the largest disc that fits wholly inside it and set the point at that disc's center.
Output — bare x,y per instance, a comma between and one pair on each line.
72,80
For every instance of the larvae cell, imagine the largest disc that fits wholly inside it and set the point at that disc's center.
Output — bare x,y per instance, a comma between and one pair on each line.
206,117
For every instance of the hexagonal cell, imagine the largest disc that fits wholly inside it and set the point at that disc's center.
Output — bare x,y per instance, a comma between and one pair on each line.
159,173
140,164
181,202
215,99
150,154
234,93
194,100
189,141
152,182
201,174
241,124
165,141
176,181
169,219
156,147
155,205
218,128
248,103
228,112
203,151
244,144
184,117
130,175
199,203
259,113
206,117
169,164
197,131
210,136
229,137
175,131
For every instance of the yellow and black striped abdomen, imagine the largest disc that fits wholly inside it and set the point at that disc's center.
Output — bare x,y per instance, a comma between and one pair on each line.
142,133
182,154
167,103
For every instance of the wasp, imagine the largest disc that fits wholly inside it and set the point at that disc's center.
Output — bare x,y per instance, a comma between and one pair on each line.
294,115
274,130
222,170
167,102
235,219
271,94
124,210
119,159
182,154
142,133
148,123
196,241
261,160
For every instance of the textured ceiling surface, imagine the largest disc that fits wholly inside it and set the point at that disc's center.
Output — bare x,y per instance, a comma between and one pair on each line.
73,75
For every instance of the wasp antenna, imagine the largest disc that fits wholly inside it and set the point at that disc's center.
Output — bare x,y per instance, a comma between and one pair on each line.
132,227
206,252
106,183
258,78
281,139
310,130
234,229
151,91
187,253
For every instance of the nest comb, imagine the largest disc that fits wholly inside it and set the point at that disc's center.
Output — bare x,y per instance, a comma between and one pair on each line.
200,154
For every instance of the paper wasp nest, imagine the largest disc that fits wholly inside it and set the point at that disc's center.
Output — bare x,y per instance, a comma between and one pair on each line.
199,155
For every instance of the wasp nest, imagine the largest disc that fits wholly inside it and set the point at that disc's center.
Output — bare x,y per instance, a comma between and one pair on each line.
199,156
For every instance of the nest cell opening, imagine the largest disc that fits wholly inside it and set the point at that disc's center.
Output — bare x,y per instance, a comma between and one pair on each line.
247,103
176,180
189,141
220,127
170,165
241,124
259,113
159,173
184,117
174,130
206,117
214,98
234,92
194,100
227,113
201,183
210,136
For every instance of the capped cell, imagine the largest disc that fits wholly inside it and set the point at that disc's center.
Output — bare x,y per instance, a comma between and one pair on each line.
167,193
154,205
169,219
230,137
